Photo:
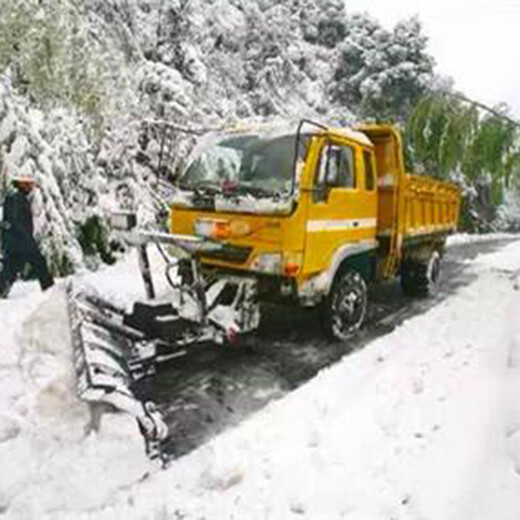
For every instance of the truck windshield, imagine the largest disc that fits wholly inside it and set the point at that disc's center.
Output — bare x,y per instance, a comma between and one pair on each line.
244,163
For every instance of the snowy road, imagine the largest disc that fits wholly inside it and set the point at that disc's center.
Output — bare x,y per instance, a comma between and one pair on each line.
214,388
421,424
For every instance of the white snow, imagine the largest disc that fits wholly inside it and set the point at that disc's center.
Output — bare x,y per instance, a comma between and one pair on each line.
505,260
470,238
44,428
250,204
423,423
122,283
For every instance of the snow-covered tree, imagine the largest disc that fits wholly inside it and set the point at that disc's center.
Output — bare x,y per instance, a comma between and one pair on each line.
322,21
50,59
90,87
384,73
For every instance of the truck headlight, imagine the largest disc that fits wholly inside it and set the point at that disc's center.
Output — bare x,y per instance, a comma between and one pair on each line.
270,263
211,228
221,229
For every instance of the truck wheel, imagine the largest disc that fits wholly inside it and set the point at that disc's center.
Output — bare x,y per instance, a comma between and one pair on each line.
409,269
346,305
421,278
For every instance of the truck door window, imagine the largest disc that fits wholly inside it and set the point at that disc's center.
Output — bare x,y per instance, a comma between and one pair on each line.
369,171
337,167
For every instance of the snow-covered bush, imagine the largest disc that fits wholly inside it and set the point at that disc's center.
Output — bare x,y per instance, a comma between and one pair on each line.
508,213
57,156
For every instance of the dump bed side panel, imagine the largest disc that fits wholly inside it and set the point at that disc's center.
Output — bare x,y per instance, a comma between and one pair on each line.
430,206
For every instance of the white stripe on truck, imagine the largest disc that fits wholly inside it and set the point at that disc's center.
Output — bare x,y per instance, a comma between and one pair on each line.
315,226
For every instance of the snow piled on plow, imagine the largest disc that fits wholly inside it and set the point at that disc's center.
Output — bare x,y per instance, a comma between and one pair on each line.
421,424
54,458
122,284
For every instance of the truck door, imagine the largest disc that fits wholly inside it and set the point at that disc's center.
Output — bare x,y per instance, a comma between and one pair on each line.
343,207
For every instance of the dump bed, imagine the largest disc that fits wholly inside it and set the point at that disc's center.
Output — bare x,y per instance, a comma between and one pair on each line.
409,205
411,208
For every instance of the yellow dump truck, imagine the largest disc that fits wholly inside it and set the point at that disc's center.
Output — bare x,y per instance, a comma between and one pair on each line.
301,216
316,214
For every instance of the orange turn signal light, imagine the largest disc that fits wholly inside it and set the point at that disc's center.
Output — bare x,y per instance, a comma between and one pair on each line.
291,269
292,264
221,230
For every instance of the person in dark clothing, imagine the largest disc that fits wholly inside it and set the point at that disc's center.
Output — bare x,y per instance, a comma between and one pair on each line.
18,244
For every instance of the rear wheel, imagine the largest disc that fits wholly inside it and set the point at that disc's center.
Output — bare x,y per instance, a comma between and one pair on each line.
346,305
421,277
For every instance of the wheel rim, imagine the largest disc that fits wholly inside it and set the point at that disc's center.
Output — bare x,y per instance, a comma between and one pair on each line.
348,309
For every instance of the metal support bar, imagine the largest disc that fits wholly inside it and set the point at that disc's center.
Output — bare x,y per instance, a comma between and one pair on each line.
144,264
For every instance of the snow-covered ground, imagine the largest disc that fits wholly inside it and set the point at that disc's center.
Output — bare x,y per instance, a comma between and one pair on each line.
468,238
422,424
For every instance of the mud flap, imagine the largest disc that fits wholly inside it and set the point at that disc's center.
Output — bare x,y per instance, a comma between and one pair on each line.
109,357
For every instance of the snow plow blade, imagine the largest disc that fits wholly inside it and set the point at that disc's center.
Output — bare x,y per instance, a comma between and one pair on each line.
114,349
109,357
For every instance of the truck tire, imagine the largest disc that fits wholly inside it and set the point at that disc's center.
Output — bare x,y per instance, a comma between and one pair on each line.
421,278
346,305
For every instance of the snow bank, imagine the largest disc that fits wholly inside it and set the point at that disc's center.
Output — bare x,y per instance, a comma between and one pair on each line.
122,283
52,457
420,424
507,260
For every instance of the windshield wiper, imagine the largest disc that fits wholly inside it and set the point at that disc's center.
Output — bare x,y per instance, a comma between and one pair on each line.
202,187
256,191
209,188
